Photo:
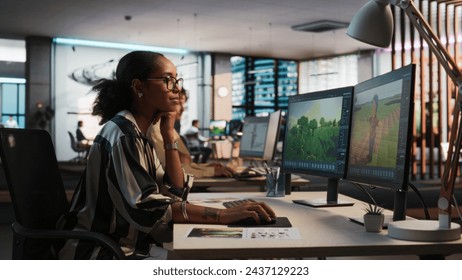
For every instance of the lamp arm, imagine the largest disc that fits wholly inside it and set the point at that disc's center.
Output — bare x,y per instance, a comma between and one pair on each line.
450,66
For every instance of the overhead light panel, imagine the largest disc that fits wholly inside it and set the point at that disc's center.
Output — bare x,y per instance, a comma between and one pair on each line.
88,43
6,80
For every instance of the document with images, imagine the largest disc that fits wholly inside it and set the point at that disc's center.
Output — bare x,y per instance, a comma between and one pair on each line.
271,233
216,232
245,233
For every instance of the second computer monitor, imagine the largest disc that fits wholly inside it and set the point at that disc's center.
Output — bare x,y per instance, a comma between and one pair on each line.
259,137
316,138
218,129
381,133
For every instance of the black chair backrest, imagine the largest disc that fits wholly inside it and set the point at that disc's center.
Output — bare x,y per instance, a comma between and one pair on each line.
73,142
33,177
234,126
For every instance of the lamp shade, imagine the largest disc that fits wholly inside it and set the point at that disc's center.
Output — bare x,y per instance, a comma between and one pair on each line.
373,24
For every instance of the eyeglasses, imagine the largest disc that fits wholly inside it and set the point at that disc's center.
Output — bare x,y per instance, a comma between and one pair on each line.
170,82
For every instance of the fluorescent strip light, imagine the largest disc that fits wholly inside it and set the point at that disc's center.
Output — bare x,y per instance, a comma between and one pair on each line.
99,44
12,81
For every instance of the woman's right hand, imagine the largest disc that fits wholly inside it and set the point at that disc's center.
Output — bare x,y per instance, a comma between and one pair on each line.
167,121
246,210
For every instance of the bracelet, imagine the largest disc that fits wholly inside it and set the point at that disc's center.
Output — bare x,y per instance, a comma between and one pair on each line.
219,215
183,211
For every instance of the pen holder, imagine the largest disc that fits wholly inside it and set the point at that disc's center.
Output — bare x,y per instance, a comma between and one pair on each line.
275,183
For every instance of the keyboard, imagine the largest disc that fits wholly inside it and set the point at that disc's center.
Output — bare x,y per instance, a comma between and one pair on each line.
250,172
234,203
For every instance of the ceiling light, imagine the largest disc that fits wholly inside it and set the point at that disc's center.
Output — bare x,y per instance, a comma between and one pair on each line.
5,80
99,44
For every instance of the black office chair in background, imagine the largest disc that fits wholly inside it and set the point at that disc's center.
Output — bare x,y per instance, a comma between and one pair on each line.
81,151
195,155
39,199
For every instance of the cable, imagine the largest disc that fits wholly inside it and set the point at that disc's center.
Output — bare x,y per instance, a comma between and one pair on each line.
361,187
416,191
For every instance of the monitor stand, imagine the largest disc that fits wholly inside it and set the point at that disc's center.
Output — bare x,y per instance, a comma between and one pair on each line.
332,197
400,205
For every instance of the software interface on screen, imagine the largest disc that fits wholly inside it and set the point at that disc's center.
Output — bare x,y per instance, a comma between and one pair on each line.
260,136
316,136
217,129
253,138
381,130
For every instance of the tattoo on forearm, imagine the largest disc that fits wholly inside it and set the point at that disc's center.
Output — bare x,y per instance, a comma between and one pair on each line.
210,213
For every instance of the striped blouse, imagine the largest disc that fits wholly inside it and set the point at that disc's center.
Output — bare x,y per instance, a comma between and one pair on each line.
123,193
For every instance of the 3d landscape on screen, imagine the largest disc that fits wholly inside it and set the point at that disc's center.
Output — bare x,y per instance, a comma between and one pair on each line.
374,131
217,129
313,130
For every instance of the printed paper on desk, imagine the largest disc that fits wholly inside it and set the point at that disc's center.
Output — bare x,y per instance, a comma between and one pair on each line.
216,233
271,233
245,233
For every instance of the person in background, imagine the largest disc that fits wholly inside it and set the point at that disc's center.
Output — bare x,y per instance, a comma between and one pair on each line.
199,170
11,123
181,108
196,142
124,192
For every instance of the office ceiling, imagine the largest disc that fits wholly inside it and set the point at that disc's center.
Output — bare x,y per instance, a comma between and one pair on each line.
242,27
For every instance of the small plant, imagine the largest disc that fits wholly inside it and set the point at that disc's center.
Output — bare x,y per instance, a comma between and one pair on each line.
373,209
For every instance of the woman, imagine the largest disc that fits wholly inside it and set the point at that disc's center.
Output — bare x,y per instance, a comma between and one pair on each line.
125,193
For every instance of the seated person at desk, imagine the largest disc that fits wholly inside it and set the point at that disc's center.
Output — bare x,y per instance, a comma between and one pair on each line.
199,170
11,123
124,192
196,142
82,141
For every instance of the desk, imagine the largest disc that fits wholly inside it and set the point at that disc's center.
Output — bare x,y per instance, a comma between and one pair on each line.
234,183
325,232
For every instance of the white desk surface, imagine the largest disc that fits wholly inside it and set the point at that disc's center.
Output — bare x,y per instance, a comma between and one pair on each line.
325,232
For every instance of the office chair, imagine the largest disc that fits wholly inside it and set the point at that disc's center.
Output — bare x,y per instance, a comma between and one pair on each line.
81,151
195,155
39,199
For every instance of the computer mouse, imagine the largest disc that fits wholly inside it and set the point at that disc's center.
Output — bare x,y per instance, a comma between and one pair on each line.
252,222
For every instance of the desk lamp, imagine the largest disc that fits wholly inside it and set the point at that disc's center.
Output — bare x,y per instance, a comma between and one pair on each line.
373,24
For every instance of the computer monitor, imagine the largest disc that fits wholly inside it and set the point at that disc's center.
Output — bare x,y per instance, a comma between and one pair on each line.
316,139
272,136
381,133
217,129
259,137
